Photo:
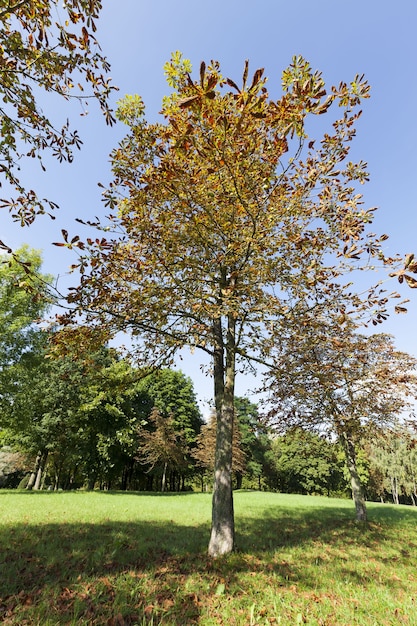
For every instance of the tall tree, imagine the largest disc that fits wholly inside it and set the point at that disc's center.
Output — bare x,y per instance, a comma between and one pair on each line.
23,300
79,412
219,220
47,45
254,442
334,380
393,457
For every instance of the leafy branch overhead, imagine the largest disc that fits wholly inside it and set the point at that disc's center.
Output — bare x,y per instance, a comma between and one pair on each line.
50,46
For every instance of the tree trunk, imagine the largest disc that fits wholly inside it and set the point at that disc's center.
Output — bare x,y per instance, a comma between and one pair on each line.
357,488
222,529
164,475
43,477
33,475
36,476
394,489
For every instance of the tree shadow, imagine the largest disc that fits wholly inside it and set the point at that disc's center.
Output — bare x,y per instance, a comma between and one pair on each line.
131,570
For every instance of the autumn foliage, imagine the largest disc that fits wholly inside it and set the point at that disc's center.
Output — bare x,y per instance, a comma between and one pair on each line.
227,223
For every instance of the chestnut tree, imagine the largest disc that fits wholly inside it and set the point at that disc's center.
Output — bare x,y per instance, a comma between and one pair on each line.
223,216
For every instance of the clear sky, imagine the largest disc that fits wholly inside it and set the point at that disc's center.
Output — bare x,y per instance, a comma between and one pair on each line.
341,39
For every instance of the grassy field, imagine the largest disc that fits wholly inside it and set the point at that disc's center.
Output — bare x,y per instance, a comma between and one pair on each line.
124,559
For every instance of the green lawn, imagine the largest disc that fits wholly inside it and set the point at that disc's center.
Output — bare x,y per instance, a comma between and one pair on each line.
129,558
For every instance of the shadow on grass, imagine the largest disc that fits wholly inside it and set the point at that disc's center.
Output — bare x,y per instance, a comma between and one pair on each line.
123,573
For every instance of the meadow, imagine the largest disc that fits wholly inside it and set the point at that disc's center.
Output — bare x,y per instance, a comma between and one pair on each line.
102,558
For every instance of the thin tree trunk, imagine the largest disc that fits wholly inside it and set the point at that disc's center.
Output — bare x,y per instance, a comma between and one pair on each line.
222,529
358,495
164,474
33,475
43,478
41,467
394,484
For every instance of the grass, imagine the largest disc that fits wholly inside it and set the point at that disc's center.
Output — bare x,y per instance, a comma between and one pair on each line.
124,559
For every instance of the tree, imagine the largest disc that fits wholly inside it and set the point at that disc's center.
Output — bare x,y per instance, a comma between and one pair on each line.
306,463
343,383
63,411
23,300
164,445
223,216
393,457
172,394
50,46
254,443
173,417
39,407
109,411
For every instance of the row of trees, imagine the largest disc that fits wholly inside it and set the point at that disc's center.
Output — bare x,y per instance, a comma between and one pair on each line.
83,415
305,462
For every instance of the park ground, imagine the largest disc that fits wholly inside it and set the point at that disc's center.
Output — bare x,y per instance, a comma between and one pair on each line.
102,558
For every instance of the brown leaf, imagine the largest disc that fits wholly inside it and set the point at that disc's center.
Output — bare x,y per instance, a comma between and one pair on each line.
186,102
85,34
245,73
412,267
231,83
411,282
212,82
257,77
202,72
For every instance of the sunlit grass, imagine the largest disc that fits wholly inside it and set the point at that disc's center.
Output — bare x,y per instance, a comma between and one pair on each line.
103,558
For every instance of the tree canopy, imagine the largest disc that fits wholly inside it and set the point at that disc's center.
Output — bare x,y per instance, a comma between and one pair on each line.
228,222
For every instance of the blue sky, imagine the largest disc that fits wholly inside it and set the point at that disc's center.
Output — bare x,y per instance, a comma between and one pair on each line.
341,39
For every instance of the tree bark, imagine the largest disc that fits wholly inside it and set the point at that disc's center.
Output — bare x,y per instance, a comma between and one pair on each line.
33,475
223,529
164,474
358,495
36,476
41,468
394,489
